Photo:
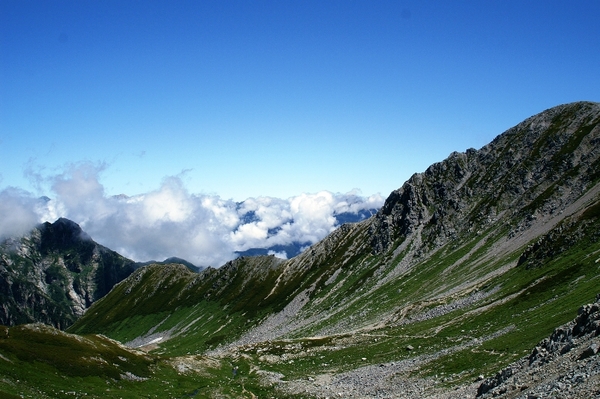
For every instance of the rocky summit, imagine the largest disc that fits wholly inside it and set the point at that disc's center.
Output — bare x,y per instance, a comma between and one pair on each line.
466,283
53,274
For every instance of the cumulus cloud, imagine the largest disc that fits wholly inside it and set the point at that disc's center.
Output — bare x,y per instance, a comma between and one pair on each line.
171,221
19,212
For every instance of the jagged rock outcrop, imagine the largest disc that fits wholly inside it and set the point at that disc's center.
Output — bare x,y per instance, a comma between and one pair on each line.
53,274
564,365
534,169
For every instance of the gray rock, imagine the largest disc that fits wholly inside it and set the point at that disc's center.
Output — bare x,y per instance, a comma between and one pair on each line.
590,351
54,273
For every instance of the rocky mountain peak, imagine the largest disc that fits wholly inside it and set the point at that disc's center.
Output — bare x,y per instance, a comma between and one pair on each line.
54,273
527,169
62,234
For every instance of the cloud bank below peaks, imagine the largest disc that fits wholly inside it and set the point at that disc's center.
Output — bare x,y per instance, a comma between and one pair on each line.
170,221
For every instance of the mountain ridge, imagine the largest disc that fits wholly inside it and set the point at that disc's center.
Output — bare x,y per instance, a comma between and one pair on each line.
407,212
466,268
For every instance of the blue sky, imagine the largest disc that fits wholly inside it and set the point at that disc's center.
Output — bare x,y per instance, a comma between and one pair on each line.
246,99
277,98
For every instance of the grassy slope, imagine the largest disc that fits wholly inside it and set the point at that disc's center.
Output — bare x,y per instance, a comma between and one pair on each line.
37,361
526,302
547,297
465,305
530,303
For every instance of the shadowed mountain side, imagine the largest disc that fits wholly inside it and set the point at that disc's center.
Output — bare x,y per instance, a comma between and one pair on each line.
53,274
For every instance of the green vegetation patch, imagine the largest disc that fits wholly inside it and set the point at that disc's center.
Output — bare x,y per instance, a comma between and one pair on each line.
72,355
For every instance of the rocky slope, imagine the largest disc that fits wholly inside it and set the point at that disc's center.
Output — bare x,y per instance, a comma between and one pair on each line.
533,193
530,174
53,274
464,270
564,365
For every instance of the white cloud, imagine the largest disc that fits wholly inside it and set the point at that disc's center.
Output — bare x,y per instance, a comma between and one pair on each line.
171,221
19,212
281,255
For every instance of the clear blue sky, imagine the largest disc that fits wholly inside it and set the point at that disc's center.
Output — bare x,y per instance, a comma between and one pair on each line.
277,98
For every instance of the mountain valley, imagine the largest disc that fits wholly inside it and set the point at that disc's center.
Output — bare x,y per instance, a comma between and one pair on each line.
470,281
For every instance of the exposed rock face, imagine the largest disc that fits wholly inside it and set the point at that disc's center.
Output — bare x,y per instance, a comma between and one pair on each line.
534,169
53,274
566,364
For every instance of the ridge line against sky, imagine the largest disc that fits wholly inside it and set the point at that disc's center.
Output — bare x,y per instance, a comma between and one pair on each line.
229,101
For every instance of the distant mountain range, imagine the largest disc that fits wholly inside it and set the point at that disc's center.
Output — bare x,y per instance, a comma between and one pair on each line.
295,248
54,273
466,283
